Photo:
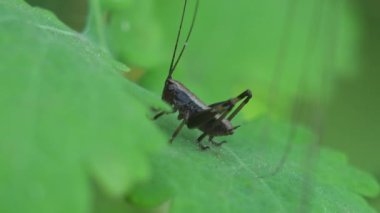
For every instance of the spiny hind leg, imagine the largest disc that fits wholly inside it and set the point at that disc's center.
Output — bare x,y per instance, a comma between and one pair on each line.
245,96
230,103
204,116
223,108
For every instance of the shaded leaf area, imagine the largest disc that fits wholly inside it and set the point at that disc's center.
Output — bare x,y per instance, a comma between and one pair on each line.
67,117
133,32
130,29
104,204
228,179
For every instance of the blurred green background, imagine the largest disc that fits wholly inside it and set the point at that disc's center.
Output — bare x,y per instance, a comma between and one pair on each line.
265,46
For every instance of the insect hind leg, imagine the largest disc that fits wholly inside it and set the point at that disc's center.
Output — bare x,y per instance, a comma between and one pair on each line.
228,105
223,108
245,96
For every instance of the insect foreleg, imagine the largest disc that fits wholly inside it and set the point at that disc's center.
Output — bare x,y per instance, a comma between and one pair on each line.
177,131
161,113
158,115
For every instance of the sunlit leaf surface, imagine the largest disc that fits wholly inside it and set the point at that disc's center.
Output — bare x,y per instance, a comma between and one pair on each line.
67,117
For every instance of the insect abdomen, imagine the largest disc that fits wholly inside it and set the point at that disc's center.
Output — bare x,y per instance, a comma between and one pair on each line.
218,128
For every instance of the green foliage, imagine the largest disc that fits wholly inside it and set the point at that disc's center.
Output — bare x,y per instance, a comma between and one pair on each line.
67,117
236,177
133,33
75,137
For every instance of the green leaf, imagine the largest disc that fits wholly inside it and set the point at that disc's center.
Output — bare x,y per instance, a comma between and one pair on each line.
236,177
68,117
133,32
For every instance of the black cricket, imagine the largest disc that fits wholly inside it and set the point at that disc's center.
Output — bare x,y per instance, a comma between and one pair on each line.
210,119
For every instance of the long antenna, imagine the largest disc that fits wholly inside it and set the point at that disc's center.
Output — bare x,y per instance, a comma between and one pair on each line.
178,36
188,35
174,62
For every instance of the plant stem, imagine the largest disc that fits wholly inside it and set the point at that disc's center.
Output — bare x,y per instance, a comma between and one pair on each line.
95,24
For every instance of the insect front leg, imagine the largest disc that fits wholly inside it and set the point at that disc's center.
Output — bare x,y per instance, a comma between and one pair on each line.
161,113
177,131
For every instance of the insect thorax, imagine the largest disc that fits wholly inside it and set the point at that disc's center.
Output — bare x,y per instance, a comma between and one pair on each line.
182,99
